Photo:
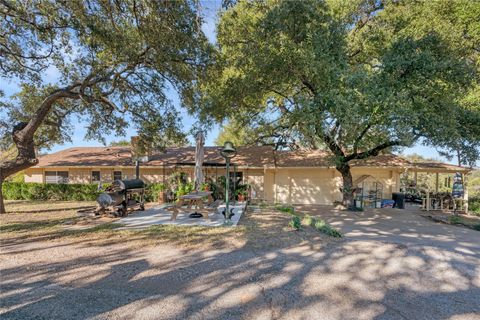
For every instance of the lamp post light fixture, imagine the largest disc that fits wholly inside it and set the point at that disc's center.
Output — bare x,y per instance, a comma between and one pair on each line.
228,152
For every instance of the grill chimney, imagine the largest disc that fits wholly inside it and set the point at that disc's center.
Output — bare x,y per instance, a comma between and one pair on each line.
137,169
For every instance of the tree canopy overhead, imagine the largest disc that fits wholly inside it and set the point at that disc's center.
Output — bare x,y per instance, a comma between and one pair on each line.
116,60
353,77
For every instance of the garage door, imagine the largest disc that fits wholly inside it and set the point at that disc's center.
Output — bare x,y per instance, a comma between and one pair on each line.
311,189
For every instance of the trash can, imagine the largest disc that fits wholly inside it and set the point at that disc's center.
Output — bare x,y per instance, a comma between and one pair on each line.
399,198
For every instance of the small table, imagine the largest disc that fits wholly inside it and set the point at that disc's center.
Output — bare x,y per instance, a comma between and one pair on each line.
192,199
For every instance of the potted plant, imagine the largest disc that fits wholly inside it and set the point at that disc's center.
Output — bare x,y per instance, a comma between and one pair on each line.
242,192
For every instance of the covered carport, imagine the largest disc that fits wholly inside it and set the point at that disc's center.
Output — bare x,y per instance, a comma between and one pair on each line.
446,171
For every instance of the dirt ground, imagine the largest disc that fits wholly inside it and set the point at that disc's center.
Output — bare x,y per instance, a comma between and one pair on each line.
388,265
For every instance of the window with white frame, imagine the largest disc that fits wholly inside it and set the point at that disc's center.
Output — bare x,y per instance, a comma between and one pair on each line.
56,176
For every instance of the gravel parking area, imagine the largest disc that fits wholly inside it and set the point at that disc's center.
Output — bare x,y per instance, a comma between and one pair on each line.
389,265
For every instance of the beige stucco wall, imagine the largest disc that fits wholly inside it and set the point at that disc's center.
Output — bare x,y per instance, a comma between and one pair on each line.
303,186
79,175
34,175
320,185
390,179
106,175
269,185
281,185
152,175
255,178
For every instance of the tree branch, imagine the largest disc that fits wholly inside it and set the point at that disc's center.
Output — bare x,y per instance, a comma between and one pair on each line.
360,137
374,151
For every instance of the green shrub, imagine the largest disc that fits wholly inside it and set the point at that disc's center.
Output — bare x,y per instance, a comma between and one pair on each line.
454,219
44,192
64,192
12,190
327,229
308,220
184,189
152,191
477,227
474,205
295,223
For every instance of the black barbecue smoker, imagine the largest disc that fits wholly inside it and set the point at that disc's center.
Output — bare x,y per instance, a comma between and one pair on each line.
123,195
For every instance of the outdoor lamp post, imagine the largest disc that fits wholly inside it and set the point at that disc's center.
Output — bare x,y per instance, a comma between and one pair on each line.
228,152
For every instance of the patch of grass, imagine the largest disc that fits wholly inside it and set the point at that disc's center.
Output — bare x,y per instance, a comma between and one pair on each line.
355,209
191,236
263,205
105,227
470,222
24,206
454,220
31,225
286,209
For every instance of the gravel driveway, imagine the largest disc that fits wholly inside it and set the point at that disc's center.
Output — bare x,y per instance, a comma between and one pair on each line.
391,264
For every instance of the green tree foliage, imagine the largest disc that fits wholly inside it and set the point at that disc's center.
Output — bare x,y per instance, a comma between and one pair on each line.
234,133
248,131
354,77
120,143
116,59
474,184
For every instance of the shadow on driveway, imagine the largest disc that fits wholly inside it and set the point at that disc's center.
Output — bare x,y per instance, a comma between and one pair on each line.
384,269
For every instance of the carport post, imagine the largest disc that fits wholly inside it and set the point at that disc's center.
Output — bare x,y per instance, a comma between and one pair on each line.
465,193
428,200
428,192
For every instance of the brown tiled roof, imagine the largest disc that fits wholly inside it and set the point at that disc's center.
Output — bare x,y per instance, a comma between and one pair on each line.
246,156
438,166
319,158
88,157
254,156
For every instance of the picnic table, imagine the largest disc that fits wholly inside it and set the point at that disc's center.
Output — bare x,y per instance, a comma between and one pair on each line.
193,199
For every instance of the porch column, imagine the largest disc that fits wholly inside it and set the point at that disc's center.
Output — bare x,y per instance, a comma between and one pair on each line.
465,192
428,191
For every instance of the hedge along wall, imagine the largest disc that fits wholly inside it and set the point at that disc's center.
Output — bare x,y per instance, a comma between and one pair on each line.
64,192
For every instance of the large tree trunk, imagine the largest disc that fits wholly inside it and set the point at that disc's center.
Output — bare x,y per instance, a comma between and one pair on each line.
23,137
2,205
347,189
26,158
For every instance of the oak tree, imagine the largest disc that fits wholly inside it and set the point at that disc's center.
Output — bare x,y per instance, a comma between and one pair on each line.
115,61
353,77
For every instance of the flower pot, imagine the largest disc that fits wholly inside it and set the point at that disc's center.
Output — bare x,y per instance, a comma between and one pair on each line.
162,197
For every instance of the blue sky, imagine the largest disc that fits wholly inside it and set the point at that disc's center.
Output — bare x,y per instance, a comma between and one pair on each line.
209,9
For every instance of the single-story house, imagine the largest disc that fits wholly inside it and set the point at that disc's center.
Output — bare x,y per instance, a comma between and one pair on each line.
296,177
